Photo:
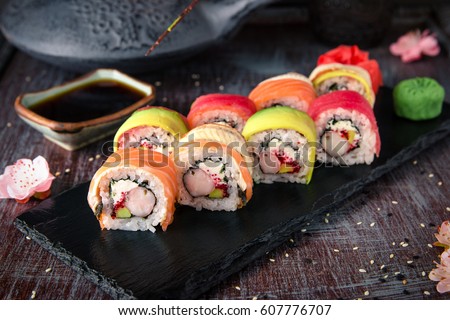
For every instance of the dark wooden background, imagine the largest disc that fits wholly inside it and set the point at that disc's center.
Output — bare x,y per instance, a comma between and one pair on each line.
321,262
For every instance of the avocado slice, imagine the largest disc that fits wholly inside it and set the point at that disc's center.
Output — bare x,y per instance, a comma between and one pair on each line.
216,194
286,168
123,213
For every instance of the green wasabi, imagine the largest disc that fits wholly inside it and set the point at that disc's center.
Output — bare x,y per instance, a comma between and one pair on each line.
418,99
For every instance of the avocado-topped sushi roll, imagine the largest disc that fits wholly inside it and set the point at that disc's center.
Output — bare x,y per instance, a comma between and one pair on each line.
346,129
282,141
331,77
135,189
291,89
228,109
154,128
212,176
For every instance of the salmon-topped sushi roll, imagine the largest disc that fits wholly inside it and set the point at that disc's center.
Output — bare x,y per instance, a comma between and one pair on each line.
291,89
229,109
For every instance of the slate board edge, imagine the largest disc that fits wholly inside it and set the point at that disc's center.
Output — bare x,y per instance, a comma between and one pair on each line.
211,275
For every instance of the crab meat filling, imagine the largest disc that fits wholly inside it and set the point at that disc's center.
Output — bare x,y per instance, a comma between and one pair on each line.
131,199
207,179
277,157
340,137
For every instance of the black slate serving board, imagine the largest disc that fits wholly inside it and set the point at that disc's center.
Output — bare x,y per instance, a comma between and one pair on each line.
200,249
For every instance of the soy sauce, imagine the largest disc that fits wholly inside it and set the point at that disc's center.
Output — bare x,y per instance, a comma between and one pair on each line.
89,102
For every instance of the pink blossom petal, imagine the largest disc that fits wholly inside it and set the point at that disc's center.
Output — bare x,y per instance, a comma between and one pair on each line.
443,235
412,54
23,179
429,46
443,286
414,44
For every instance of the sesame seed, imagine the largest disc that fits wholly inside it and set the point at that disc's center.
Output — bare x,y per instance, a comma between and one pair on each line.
57,173
414,162
405,245
422,225
272,260
401,243
366,293
397,273
158,83
426,293
97,156
440,183
405,281
67,170
372,262
393,243
221,88
336,250
423,274
372,224
308,224
255,298
197,83
430,175
448,209
33,294
378,209
358,223
291,240
394,202
286,255
409,261
391,256
382,267
326,220
9,124
385,276
91,159
303,230
327,215
238,288
48,269
362,270
28,238
430,245
355,248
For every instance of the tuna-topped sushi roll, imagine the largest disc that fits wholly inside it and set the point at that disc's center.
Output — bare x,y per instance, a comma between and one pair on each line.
212,174
154,128
291,89
229,109
282,141
331,77
346,129
135,189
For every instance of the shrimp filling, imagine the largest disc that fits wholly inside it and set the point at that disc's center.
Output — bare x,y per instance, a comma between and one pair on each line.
340,137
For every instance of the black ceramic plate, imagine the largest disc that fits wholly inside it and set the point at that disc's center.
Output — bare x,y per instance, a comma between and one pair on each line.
200,249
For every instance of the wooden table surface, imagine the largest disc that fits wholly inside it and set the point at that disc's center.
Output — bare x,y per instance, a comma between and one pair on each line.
323,262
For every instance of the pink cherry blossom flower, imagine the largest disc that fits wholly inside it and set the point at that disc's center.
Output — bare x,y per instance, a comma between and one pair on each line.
442,273
414,44
25,179
443,235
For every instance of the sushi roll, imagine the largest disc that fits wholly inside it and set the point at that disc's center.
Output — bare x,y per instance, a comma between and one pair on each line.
290,89
135,189
154,128
282,141
331,77
346,129
212,176
228,109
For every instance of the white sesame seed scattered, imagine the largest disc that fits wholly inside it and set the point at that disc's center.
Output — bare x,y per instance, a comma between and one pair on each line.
372,262
378,209
372,224
359,299
221,88
382,267
385,276
33,294
91,159
430,245
405,245
326,220
255,298
422,225
158,83
414,162
426,293
197,83
27,78
430,175
336,250
362,270
238,288
396,273
328,214
67,170
9,124
391,256
423,274
97,156
409,261
366,293
303,230
48,269
448,209
358,223
401,243
394,202
308,224
440,183
286,255
272,260
393,243
28,238
355,248
404,281
291,240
